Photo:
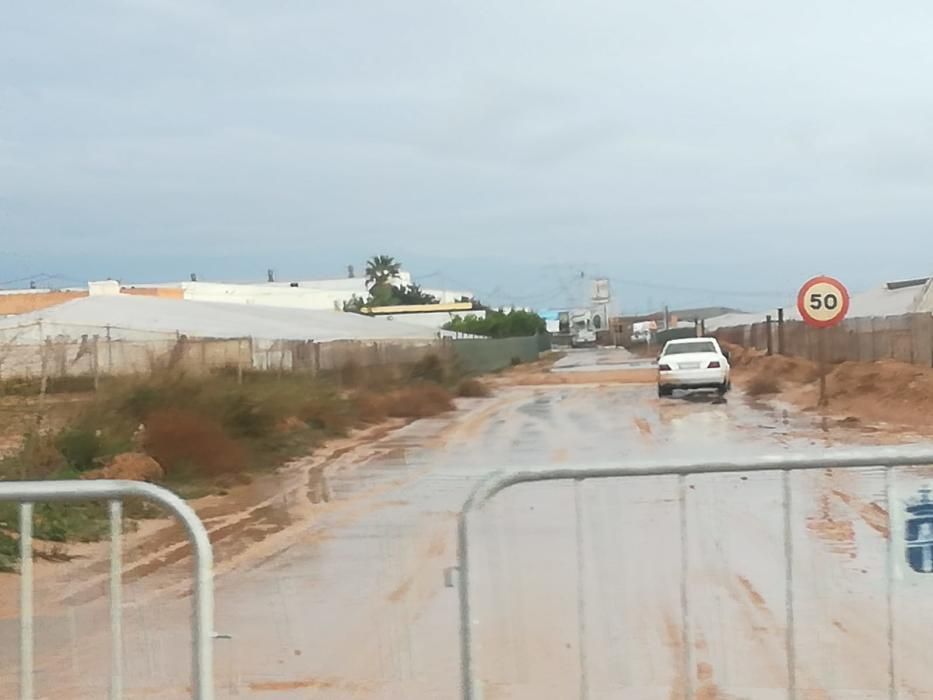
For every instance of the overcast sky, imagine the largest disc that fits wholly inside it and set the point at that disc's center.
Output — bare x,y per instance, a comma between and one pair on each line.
696,152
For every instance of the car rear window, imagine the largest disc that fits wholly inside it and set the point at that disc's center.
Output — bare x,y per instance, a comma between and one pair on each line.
686,348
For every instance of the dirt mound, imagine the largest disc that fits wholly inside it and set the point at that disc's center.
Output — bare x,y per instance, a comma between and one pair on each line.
886,380
740,356
764,384
888,392
132,466
785,369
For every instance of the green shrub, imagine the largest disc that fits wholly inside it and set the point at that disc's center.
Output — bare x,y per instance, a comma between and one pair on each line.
140,401
9,553
38,458
246,417
80,447
497,324
328,413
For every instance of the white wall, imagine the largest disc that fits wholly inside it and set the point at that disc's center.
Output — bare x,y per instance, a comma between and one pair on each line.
267,295
313,294
449,296
105,288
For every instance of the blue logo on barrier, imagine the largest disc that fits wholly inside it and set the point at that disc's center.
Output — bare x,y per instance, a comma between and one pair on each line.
918,533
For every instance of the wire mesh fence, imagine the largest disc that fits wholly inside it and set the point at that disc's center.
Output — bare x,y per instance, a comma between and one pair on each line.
52,353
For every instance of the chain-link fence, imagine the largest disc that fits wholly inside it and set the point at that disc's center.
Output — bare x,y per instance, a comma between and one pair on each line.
50,353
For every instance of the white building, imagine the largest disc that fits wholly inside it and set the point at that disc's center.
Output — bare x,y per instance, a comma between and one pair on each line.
321,295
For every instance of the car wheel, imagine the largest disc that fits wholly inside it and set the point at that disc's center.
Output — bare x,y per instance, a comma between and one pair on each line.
724,388
662,392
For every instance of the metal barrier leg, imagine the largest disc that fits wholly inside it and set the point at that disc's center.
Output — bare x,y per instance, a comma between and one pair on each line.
581,589
684,602
116,600
891,564
466,623
789,619
26,642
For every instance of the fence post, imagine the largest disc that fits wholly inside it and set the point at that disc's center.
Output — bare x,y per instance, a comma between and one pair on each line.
96,360
930,335
769,341
239,361
781,348
109,353
44,372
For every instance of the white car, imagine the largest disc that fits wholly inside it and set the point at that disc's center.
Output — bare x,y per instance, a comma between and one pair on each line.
583,338
693,363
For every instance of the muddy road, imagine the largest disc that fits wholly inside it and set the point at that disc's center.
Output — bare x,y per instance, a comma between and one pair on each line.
334,589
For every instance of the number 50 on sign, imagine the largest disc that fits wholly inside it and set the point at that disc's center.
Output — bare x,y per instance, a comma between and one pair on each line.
823,302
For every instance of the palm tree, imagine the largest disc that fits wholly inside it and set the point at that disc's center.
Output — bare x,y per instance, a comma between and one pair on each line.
381,270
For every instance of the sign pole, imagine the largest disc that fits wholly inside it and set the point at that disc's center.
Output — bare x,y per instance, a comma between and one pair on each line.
821,349
823,302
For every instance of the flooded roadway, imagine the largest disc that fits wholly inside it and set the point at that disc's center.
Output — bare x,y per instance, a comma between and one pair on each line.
346,599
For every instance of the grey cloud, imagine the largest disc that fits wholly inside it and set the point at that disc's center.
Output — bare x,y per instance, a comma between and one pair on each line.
625,131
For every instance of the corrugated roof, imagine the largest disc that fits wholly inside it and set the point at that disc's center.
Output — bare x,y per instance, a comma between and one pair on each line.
136,316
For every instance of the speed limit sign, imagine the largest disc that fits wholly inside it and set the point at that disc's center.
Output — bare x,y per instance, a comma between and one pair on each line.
823,302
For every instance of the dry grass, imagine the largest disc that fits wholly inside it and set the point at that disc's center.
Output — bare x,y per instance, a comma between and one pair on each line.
762,385
431,368
473,389
187,443
371,408
419,401
328,413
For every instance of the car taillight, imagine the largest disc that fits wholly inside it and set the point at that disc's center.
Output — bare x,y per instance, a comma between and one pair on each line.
664,368
714,364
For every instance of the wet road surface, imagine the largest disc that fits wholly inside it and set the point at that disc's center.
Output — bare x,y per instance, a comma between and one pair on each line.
346,599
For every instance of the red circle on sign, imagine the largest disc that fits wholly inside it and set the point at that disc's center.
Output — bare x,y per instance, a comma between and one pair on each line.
812,306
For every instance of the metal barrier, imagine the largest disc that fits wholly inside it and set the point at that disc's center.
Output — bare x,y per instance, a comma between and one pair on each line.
484,492
27,493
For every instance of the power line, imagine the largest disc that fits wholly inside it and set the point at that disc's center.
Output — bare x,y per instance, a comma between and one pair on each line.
39,277
697,290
